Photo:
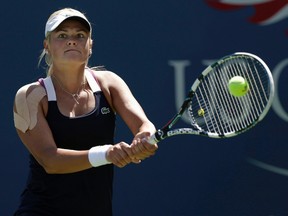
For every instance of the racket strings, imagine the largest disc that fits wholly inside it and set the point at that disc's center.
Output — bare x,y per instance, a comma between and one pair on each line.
221,112
258,94
236,104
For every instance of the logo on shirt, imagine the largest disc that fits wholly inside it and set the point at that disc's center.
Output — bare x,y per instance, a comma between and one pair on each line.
105,110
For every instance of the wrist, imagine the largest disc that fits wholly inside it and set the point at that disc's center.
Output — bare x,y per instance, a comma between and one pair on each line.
97,155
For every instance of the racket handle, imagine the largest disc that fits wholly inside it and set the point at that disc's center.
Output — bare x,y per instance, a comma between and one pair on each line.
152,140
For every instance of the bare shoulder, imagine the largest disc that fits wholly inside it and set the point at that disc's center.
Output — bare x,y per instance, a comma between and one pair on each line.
26,103
29,94
108,79
25,90
114,88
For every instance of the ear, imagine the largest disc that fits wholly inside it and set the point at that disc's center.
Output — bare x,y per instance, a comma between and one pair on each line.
45,45
91,43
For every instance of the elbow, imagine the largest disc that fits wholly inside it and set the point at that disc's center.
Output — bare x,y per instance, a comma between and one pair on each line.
49,160
51,170
49,165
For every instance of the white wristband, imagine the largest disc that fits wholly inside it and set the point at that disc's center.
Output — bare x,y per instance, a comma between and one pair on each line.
97,155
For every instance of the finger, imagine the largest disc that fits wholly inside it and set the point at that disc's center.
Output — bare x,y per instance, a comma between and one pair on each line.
136,161
118,155
148,146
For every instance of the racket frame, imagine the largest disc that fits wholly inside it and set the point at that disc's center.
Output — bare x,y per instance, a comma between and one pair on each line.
167,131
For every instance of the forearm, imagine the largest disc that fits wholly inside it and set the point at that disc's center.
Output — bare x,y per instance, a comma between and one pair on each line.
61,161
70,161
147,126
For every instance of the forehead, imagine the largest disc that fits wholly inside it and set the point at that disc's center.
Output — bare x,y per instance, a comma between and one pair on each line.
79,24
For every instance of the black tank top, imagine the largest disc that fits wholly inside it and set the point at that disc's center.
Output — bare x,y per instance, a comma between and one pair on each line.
85,193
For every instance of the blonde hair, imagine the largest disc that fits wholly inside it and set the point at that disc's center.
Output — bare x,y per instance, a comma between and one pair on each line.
44,55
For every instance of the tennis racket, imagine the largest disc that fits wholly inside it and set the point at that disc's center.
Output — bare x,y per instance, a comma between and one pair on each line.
213,111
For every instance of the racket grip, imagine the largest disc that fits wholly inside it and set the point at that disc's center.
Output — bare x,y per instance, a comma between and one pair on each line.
152,140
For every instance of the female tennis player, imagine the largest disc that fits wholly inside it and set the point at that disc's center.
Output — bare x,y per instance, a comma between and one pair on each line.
67,120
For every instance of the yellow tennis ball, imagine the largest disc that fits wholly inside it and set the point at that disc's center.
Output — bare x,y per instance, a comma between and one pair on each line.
201,112
238,86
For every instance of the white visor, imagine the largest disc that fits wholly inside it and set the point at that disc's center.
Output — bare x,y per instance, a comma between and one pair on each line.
54,21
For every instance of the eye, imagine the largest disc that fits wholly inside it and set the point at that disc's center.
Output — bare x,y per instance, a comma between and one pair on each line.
62,35
81,35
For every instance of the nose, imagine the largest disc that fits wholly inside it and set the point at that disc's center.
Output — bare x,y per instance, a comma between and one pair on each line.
71,42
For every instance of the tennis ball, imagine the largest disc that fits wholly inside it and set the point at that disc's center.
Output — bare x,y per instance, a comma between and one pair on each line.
201,112
238,86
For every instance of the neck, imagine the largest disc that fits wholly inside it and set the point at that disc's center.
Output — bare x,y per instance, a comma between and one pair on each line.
69,79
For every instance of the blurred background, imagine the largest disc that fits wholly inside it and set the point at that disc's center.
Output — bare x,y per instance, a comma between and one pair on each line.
143,42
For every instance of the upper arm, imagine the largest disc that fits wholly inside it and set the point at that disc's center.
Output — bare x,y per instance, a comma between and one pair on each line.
31,106
30,122
124,102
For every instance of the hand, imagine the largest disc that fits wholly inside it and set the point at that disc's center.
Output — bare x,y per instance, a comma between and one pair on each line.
141,149
120,155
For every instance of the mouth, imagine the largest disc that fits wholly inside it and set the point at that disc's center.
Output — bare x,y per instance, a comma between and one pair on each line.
72,50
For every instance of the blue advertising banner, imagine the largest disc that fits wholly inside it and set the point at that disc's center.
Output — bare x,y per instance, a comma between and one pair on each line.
159,48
